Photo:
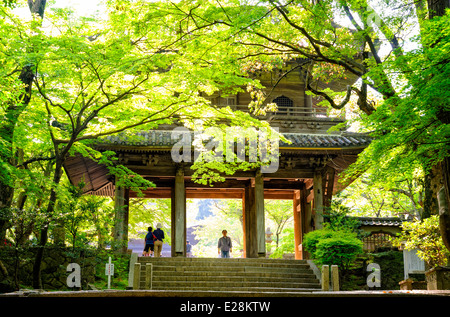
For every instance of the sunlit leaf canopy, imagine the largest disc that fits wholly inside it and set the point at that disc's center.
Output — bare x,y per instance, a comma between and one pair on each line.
139,64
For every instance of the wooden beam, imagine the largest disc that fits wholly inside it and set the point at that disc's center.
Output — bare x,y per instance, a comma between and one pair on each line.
154,193
161,171
213,193
278,194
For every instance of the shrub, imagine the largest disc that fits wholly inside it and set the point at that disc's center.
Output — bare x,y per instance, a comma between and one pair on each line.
311,239
425,236
330,247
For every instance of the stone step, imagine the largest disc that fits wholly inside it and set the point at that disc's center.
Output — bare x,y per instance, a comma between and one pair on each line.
236,274
220,283
228,262
234,286
207,274
241,289
196,259
229,270
182,278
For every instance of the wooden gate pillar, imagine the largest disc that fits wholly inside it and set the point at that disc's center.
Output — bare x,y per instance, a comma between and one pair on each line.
300,212
249,217
318,198
178,215
253,214
328,186
259,211
298,234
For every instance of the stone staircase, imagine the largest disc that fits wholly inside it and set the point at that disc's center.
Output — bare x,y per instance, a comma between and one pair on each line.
233,274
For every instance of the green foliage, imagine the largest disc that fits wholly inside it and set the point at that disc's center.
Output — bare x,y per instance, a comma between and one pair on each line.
311,239
392,267
338,250
226,214
424,236
337,217
330,247
286,244
138,68
121,270
280,219
424,105
374,195
146,213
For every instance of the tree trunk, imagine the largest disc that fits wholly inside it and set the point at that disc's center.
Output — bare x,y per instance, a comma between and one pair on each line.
6,195
440,187
437,7
7,128
37,282
432,185
12,114
444,201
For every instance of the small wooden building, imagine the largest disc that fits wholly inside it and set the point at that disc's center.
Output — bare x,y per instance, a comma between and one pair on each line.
379,231
308,170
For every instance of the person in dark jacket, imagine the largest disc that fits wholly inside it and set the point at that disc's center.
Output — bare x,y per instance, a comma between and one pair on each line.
188,249
149,243
224,245
159,235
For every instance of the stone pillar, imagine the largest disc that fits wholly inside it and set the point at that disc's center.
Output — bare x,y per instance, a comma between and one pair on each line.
122,200
178,206
148,275
137,276
318,199
325,278
335,277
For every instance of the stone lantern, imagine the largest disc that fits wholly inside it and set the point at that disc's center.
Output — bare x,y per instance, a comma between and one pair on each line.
268,235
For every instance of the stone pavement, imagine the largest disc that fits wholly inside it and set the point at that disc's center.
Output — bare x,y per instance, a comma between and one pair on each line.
178,303
228,294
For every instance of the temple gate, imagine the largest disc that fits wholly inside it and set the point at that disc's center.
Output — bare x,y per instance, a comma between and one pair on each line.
307,174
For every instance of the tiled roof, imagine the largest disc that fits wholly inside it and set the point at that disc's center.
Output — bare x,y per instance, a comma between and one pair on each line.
326,140
164,138
380,221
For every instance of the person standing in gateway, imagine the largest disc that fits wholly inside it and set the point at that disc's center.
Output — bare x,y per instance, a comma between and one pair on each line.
149,243
224,245
159,234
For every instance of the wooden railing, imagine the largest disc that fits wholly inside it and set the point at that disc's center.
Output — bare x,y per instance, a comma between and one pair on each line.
290,112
